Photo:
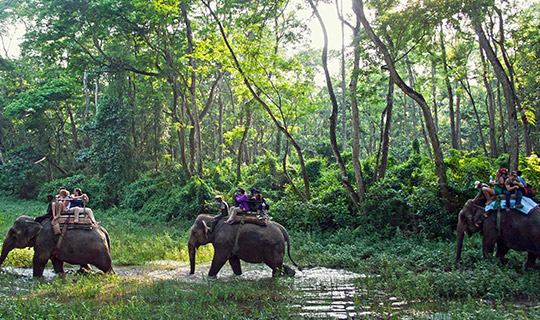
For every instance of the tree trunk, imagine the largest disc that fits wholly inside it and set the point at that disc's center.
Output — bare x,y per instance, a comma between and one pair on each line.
479,124
501,117
490,108
242,142
413,106
508,91
458,121
357,197
197,142
453,133
220,128
440,166
434,95
510,68
180,125
96,92
343,86
73,128
387,129
87,96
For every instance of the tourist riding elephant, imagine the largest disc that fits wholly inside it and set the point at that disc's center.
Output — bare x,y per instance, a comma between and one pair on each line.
249,242
518,231
79,246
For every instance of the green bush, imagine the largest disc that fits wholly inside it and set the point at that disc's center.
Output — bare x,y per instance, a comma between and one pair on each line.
179,203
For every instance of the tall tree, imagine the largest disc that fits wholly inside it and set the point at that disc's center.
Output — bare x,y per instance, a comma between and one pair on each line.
358,8
507,87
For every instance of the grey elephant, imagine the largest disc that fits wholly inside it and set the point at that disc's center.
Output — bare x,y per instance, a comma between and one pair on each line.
518,231
79,247
249,242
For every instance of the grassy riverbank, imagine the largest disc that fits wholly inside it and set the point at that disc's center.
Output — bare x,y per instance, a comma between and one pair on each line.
420,272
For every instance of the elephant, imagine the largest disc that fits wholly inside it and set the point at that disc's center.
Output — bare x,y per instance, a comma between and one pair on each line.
79,246
518,231
249,242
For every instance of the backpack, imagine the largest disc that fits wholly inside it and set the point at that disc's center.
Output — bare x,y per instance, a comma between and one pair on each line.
528,191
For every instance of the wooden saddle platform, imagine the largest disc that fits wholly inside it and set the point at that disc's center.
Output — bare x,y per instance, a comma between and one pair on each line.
250,217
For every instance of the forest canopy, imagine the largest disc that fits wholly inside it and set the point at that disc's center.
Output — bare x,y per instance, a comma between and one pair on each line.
144,102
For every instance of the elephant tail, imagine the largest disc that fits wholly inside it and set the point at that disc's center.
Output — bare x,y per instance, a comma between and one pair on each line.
109,246
286,236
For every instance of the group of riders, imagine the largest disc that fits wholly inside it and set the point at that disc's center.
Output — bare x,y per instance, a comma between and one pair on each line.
74,204
243,204
507,184
65,203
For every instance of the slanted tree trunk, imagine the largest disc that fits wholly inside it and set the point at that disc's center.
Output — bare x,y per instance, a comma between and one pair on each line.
358,8
490,108
413,106
508,91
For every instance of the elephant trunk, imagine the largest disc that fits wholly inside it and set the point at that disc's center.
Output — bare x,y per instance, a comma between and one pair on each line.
6,248
460,234
192,251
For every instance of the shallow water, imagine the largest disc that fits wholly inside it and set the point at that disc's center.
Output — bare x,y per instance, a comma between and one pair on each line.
324,293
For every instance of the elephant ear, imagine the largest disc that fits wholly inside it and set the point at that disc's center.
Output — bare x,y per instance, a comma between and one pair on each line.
31,228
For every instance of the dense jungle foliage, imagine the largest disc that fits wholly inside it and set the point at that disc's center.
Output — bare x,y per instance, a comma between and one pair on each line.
157,106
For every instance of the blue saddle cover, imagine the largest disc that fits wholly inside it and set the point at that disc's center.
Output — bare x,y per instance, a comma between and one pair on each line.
528,205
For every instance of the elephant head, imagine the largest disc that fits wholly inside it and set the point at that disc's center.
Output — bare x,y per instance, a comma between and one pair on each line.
198,236
469,220
22,234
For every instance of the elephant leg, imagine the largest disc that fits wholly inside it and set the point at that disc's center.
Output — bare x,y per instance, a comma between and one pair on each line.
489,238
38,266
501,252
531,259
58,266
235,265
217,264
487,246
288,270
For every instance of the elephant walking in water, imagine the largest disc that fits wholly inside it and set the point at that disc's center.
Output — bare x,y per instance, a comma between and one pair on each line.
249,242
79,247
518,231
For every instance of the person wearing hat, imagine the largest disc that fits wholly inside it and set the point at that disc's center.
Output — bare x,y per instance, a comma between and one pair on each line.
224,208
485,190
242,205
49,214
